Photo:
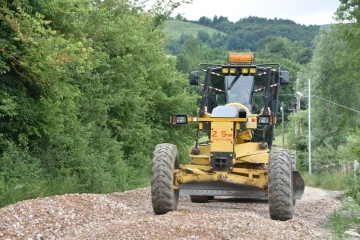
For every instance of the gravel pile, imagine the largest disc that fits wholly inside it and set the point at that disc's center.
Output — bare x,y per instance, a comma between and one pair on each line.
129,215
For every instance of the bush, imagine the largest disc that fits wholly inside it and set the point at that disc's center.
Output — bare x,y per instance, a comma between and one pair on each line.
330,180
354,188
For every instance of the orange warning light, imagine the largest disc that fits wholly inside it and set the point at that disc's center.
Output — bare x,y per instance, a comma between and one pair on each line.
241,58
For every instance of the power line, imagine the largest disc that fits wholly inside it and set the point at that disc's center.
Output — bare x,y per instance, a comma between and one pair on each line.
338,104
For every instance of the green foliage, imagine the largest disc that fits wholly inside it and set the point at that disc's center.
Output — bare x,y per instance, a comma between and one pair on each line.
252,29
273,47
194,52
333,79
334,98
354,192
329,180
353,148
86,93
348,11
347,217
333,71
298,140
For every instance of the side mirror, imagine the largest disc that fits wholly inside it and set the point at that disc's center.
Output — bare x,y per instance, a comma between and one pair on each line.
284,77
194,78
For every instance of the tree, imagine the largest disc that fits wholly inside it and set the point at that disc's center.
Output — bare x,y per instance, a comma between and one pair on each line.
203,36
195,53
333,75
86,93
348,11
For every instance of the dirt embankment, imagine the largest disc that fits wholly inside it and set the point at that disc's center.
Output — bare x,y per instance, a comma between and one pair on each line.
129,215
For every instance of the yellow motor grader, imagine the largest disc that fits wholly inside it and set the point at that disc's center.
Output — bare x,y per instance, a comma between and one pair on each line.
232,154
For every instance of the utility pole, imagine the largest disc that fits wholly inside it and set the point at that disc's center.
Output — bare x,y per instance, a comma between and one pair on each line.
309,126
297,111
297,128
298,95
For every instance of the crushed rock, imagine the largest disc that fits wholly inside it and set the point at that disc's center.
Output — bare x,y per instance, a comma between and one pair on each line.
129,215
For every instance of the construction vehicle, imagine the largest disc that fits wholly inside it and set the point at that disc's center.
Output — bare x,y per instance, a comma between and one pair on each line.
233,153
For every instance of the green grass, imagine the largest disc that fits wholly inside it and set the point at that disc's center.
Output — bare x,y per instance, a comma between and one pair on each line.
175,28
348,216
42,188
277,143
328,180
13,193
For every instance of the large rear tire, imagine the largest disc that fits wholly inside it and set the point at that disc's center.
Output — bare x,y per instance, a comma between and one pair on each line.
199,199
280,185
164,197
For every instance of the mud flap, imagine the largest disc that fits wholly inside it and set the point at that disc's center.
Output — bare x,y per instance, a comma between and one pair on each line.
298,185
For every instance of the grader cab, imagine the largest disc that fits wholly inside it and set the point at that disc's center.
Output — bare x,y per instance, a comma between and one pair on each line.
233,153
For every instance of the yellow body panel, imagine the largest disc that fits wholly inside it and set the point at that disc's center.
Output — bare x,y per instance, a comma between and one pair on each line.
222,137
203,158
200,159
256,158
204,150
210,119
251,125
245,135
251,152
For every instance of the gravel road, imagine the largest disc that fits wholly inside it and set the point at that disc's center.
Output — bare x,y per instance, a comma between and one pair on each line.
129,215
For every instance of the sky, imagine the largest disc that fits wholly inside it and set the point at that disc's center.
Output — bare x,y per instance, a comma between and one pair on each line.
316,12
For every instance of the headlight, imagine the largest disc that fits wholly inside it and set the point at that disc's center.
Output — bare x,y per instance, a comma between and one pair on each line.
178,119
181,119
264,120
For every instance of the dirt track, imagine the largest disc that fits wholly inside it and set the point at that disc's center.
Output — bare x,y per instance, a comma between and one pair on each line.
129,215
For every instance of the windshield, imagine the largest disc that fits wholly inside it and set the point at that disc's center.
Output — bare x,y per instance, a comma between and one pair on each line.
241,91
247,90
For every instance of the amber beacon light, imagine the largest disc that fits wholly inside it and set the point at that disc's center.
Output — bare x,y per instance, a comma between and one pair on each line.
241,58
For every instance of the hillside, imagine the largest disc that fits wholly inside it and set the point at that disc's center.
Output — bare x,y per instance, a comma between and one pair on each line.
242,35
175,28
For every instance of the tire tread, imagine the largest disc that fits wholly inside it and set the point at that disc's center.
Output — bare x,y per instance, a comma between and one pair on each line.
164,198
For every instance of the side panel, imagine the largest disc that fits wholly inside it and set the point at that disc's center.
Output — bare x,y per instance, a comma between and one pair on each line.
203,158
252,153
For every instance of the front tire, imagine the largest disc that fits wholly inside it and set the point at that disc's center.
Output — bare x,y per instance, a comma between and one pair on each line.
163,196
280,185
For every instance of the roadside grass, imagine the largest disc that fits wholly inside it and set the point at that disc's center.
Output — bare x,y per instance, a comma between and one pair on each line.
329,180
13,193
33,189
347,217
